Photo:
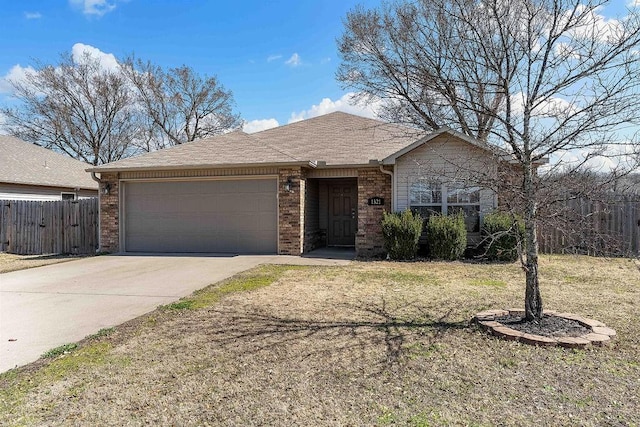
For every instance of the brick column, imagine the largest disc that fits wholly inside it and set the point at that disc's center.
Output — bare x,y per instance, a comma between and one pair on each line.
109,214
291,211
371,183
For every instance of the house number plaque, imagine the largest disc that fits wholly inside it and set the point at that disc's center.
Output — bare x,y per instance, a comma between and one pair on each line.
376,201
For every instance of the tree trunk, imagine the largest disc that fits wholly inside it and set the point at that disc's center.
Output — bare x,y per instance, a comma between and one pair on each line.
532,299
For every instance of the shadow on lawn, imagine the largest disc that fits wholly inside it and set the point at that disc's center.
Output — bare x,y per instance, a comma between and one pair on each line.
381,325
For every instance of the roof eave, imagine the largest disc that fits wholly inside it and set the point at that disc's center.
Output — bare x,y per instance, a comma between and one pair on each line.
374,163
103,169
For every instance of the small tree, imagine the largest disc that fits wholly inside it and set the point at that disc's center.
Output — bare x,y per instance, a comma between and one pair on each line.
542,79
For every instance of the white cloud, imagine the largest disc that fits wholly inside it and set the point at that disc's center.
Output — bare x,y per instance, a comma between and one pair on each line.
592,24
294,61
552,107
567,51
259,125
273,57
585,160
633,3
345,104
94,7
621,155
32,15
107,60
16,74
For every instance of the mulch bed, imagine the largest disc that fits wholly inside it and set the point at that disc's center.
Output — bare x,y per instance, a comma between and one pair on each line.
548,326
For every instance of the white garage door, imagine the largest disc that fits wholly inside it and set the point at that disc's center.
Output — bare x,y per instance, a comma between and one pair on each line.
231,216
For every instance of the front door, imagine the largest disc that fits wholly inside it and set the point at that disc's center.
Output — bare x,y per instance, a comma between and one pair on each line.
343,208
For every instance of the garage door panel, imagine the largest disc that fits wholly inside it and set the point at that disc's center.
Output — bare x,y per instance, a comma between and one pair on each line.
238,216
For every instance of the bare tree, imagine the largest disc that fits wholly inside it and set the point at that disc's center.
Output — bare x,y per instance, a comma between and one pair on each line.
76,107
181,105
539,78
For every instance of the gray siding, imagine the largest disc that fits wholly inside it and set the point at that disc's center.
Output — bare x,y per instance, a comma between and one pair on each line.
333,173
40,193
447,159
196,173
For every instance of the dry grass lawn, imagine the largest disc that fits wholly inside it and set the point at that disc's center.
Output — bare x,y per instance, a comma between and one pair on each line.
373,343
10,262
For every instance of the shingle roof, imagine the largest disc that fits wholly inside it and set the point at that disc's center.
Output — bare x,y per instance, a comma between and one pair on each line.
233,148
25,163
337,138
340,139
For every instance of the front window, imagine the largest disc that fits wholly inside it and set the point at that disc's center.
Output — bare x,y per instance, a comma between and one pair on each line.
461,198
426,198
68,196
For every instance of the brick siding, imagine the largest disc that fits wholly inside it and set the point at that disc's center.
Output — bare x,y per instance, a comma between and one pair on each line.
371,183
294,237
291,209
109,214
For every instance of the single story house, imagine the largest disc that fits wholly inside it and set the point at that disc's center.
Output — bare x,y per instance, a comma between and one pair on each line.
30,172
324,181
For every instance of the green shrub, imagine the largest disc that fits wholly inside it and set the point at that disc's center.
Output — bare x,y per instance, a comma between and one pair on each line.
502,232
401,231
447,236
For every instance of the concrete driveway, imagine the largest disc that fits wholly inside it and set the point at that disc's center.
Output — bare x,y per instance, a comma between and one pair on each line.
45,307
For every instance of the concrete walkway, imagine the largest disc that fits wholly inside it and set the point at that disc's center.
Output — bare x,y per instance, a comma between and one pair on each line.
45,307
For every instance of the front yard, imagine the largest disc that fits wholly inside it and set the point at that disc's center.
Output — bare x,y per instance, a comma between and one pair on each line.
10,262
374,343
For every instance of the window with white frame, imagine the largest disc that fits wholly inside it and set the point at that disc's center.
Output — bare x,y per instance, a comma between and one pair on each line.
68,196
428,197
425,198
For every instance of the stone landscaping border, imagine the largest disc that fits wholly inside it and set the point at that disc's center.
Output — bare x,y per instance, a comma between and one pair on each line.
600,334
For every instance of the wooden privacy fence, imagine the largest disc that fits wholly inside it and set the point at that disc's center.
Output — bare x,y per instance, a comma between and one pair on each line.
600,228
56,227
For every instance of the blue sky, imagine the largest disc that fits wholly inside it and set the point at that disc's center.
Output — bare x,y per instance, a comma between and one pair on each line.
278,57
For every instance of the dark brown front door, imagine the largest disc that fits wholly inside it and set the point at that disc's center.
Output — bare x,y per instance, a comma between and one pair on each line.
343,208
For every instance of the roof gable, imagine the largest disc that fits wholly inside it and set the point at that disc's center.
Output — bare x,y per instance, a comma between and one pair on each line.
391,159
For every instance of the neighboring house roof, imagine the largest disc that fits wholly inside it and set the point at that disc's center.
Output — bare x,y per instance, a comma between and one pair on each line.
333,140
28,164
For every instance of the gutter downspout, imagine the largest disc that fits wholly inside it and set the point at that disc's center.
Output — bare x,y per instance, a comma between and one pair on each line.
96,179
393,186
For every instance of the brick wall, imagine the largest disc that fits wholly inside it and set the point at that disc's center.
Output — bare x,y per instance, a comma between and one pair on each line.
312,232
371,183
109,214
292,241
291,209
